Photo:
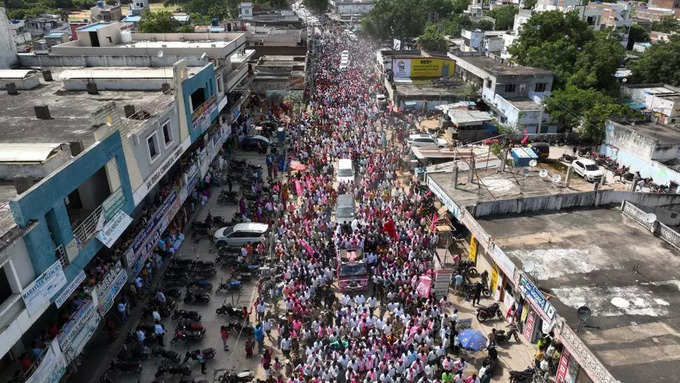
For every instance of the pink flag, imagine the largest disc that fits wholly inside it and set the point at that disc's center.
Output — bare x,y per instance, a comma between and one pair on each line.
424,286
306,246
298,187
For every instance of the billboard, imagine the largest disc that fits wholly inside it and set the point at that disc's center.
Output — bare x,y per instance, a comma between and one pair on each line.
425,67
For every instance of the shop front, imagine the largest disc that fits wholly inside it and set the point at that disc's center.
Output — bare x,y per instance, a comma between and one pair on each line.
538,316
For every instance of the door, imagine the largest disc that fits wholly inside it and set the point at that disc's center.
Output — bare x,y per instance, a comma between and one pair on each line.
94,39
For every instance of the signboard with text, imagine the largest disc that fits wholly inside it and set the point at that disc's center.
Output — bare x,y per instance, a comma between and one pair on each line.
52,366
426,67
113,228
43,288
69,289
536,297
75,334
108,289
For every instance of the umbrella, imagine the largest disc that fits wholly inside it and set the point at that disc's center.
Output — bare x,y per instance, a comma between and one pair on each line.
472,339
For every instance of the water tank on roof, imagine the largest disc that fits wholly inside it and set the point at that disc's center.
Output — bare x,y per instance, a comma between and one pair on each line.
100,4
126,37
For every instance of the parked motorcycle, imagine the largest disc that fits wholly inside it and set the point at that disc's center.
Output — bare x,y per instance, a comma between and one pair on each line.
173,370
232,285
200,286
230,311
187,336
189,325
503,336
208,354
127,366
525,376
489,312
196,298
169,355
184,314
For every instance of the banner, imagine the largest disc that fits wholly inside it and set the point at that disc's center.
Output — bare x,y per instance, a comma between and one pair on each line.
537,299
425,67
473,249
108,289
113,228
43,288
424,286
563,367
69,289
52,366
78,330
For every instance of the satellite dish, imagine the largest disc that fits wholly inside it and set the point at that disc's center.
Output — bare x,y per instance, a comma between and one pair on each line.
543,173
557,178
533,163
650,218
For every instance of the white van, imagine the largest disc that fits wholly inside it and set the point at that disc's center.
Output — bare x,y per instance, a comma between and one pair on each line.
345,171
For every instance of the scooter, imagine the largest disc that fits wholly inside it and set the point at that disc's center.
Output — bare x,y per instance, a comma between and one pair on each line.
184,314
489,312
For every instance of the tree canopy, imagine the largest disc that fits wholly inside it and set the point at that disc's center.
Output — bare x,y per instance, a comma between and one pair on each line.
432,39
158,22
659,63
319,6
504,16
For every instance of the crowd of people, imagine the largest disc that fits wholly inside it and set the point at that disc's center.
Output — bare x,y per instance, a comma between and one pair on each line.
393,330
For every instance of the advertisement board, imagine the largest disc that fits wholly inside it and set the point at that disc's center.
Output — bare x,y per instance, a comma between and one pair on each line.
113,228
425,67
202,116
563,367
109,288
69,289
78,330
43,288
473,249
52,366
536,297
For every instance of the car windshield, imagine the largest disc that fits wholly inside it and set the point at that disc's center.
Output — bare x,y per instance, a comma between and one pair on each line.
345,173
228,230
345,212
591,168
352,270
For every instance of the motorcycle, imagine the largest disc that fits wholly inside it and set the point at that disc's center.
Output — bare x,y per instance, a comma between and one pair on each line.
196,298
232,285
187,336
184,314
173,292
201,286
208,354
230,311
127,366
233,377
525,376
189,325
203,273
503,336
169,355
489,312
173,370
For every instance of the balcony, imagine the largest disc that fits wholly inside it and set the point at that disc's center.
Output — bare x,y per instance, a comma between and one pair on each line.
235,77
89,226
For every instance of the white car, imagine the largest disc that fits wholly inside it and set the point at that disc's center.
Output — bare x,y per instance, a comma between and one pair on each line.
241,233
422,139
587,169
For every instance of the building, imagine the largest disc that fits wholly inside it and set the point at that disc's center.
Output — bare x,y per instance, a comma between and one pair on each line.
82,159
348,10
137,7
279,75
649,148
554,245
106,12
668,7
8,46
45,24
482,41
515,92
661,101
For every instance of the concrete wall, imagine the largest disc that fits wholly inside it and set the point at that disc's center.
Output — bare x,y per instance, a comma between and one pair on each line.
568,201
660,173
92,60
118,84
47,197
10,171
628,140
8,49
26,83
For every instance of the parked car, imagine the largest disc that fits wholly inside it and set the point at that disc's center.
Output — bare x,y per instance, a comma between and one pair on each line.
423,139
587,169
240,234
259,143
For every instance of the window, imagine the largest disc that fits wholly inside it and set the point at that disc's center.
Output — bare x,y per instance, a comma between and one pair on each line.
153,147
167,134
509,88
197,98
540,87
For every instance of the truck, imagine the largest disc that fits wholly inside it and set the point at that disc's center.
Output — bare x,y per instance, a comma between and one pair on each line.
352,270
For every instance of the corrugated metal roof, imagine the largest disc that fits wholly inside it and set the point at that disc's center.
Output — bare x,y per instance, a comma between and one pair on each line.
26,152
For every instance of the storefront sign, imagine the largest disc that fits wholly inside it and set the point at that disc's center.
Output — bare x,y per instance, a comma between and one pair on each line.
109,289
529,326
537,299
563,367
142,238
69,289
503,261
494,280
113,228
52,366
443,197
202,117
473,249
78,330
43,288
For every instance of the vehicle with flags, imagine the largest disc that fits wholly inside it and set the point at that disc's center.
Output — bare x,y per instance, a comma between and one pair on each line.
352,270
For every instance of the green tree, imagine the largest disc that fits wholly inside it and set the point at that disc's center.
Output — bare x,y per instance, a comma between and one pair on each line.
529,4
637,34
157,22
484,25
456,23
432,39
659,63
395,19
588,108
319,6
458,6
504,16
666,25
597,63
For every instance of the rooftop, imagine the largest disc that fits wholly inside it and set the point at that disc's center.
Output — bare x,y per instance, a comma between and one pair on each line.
608,262
663,133
465,117
429,88
498,68
525,104
94,27
69,110
505,185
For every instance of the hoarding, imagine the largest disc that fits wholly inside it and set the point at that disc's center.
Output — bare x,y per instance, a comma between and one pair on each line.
425,67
